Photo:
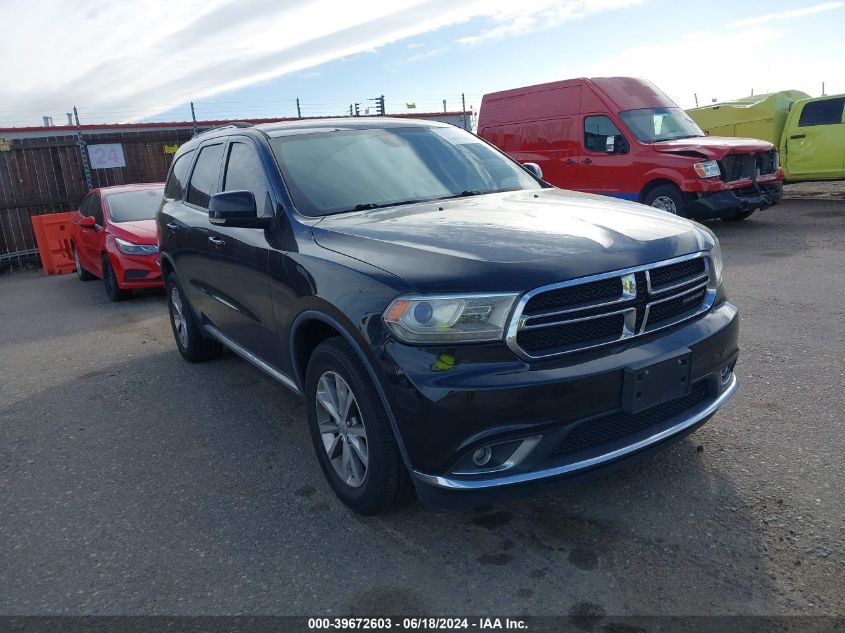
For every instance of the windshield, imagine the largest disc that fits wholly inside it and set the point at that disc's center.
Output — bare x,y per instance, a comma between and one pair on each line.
347,170
660,124
131,206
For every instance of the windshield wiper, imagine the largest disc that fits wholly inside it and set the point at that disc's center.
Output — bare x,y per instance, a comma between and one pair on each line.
364,206
465,194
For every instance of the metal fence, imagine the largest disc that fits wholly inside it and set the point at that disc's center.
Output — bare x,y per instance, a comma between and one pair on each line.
45,174
44,170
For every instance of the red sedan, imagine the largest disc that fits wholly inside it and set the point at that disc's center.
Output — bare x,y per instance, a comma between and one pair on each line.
114,238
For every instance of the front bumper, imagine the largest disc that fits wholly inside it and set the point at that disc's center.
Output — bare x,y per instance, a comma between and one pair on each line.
447,409
729,202
137,271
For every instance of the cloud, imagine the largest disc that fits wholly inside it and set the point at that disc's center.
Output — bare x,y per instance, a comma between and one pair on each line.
786,15
131,60
682,69
528,16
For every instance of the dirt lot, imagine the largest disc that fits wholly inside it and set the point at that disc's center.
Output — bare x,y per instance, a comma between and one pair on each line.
134,483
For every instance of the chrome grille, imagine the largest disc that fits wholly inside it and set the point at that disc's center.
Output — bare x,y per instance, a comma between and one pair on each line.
602,309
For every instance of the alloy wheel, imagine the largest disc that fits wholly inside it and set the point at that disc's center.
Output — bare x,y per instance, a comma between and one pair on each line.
342,429
77,263
178,315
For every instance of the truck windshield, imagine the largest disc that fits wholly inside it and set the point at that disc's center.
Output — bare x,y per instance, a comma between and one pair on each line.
346,170
660,124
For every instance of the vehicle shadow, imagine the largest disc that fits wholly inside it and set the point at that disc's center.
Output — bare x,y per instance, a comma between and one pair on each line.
194,489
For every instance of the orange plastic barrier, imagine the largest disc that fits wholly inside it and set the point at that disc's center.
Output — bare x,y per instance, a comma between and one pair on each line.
52,233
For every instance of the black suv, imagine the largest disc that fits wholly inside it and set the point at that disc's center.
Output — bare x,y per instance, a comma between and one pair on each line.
457,326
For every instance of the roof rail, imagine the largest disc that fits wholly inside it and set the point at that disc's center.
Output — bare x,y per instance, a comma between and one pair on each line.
235,124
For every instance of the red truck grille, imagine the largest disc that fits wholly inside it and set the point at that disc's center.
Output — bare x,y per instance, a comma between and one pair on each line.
748,166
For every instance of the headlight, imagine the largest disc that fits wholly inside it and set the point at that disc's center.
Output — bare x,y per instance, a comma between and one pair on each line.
449,318
716,263
707,169
129,248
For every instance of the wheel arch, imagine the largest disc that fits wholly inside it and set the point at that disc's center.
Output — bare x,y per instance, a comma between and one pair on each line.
321,326
654,184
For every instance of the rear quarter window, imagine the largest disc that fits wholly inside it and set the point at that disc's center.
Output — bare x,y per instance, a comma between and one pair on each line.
178,177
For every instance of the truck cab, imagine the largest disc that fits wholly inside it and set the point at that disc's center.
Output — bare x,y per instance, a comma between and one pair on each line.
810,131
623,137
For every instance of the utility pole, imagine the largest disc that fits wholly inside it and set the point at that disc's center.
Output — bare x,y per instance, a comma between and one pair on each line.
298,111
194,118
83,150
444,105
379,105
822,88
464,109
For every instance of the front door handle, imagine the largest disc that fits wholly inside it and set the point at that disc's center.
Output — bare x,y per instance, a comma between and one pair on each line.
569,161
173,227
216,242
586,161
798,136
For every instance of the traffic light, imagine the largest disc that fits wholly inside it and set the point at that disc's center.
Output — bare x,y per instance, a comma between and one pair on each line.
357,109
380,106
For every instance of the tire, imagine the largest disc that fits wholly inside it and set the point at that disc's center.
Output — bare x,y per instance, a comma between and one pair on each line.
115,292
192,345
740,215
83,274
666,198
384,483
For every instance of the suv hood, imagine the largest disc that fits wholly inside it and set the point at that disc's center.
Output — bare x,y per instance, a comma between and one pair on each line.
509,241
713,147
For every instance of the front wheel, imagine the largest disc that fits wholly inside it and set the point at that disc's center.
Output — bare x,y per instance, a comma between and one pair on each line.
666,198
351,432
113,290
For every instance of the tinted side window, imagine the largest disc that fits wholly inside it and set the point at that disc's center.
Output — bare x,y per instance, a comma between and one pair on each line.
204,178
244,172
827,112
596,131
178,177
96,209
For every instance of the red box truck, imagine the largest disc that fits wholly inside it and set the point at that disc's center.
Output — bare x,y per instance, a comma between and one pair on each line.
623,137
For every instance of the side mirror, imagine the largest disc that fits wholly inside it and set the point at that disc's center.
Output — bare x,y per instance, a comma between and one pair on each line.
87,222
533,169
235,208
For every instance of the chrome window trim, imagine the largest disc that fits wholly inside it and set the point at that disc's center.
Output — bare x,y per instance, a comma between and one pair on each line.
518,322
700,413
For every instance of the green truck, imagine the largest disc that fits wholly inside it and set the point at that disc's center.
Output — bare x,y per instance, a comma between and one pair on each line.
808,131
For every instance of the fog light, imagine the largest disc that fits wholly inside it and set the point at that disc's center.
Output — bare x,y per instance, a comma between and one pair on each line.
482,456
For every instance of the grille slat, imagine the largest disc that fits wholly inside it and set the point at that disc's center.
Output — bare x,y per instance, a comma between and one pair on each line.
676,273
616,426
604,289
747,166
570,333
573,316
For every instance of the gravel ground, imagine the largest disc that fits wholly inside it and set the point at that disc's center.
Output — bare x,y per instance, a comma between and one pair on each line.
132,482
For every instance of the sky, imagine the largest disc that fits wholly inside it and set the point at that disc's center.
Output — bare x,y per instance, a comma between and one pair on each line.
145,60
